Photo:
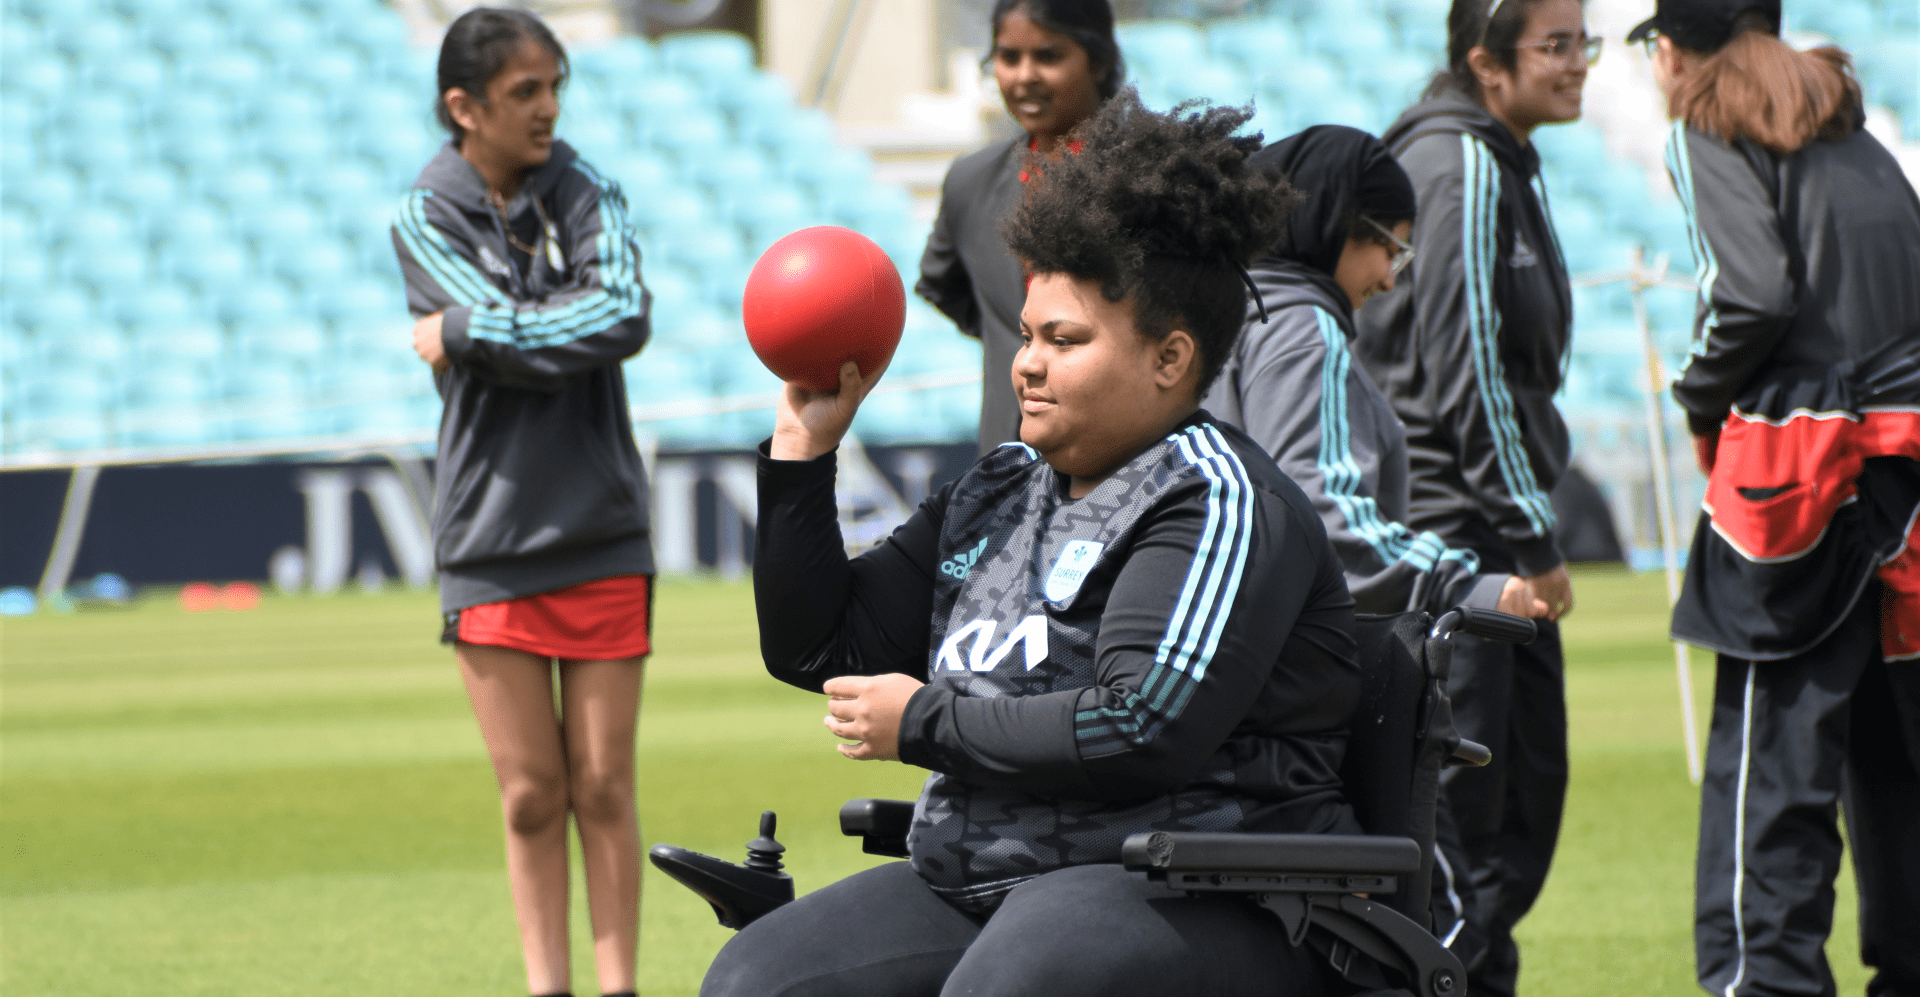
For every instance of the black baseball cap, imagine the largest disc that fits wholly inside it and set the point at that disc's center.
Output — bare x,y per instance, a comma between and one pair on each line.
1701,25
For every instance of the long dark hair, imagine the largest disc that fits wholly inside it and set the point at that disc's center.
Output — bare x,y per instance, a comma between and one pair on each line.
1759,87
477,45
1468,25
1088,22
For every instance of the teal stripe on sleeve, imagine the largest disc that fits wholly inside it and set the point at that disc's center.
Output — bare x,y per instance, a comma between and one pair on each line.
1200,617
1479,237
1391,541
1706,265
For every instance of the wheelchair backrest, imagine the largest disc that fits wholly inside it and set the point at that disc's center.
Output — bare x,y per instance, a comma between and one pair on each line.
1391,771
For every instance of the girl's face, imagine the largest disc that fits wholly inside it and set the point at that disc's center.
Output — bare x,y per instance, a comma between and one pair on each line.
1045,77
513,126
1366,265
1093,391
1542,87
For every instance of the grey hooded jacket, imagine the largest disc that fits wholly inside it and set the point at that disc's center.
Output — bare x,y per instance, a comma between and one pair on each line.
1808,264
537,482
1471,345
1291,384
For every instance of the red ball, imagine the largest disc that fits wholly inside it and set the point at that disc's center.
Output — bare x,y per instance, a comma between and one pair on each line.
820,297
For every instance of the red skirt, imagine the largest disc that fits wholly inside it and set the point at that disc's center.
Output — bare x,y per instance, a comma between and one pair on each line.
602,620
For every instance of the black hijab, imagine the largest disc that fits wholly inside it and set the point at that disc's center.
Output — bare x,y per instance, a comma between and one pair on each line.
1343,172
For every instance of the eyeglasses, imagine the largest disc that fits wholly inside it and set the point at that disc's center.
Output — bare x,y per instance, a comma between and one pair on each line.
1561,46
1651,43
1403,250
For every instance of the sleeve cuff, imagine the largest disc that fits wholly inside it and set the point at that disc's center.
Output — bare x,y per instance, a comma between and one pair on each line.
1536,556
801,470
453,332
917,724
1485,591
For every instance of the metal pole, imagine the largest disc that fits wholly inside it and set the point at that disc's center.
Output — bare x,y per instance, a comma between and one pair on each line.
1663,497
72,529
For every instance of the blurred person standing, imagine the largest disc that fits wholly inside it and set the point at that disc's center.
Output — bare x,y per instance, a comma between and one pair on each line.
525,280
1470,347
1802,391
1055,61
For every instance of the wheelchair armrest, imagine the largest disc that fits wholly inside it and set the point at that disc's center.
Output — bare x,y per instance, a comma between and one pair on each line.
1198,851
1470,754
1308,881
881,825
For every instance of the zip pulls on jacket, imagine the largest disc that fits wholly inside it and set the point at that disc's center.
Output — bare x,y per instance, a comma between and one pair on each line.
548,236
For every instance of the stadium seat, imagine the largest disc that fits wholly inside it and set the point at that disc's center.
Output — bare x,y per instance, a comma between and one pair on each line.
1161,48
755,98
1259,46
714,58
42,76
1364,898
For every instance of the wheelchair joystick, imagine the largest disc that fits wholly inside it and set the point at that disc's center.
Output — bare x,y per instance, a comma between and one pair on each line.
763,853
739,894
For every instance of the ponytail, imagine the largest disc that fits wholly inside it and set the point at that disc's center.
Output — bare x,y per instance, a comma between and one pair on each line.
1759,87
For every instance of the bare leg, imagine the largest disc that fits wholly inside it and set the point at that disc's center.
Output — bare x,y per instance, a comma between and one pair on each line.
600,701
512,695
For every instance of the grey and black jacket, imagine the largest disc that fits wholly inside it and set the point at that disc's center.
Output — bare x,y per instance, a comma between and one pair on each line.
1471,345
1806,263
1172,651
1806,360
969,274
537,482
1291,384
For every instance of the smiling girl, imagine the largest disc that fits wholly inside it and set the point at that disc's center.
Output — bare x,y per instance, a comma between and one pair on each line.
1054,61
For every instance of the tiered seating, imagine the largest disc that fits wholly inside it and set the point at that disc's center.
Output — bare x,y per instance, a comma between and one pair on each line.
197,198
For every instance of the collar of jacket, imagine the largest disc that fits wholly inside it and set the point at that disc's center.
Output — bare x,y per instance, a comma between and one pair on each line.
1286,283
1453,111
452,177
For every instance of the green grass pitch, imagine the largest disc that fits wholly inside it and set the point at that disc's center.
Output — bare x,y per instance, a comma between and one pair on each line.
294,800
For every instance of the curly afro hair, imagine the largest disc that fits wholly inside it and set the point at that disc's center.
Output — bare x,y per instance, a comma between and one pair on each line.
1160,208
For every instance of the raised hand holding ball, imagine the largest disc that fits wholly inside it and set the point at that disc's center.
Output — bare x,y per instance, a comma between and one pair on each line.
819,298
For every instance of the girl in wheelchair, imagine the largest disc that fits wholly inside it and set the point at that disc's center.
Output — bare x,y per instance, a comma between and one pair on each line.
1130,620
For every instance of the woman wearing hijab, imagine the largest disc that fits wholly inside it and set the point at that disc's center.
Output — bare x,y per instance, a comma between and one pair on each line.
1292,385
1055,62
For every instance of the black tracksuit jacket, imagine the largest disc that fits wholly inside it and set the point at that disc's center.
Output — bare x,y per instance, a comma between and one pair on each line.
1806,358
537,483
1172,651
1471,344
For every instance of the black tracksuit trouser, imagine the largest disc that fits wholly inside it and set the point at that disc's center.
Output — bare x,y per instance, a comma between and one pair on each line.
1793,740
1505,815
1082,931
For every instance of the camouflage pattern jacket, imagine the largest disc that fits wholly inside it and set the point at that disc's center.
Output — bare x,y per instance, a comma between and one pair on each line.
1172,651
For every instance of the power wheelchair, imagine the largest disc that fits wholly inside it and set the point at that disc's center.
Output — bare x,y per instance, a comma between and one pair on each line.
1361,900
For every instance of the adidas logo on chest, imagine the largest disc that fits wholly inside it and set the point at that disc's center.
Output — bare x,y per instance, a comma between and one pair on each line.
961,565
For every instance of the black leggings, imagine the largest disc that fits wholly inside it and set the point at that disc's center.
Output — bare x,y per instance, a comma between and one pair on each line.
1086,930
